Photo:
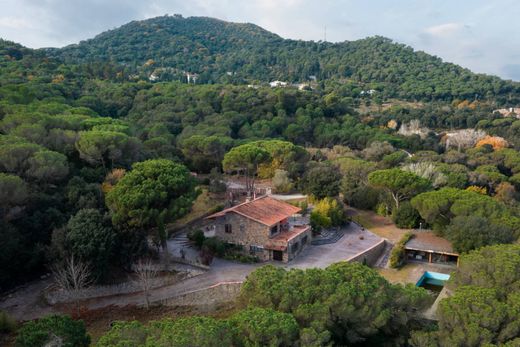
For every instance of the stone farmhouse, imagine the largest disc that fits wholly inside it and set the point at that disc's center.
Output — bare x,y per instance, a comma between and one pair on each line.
264,227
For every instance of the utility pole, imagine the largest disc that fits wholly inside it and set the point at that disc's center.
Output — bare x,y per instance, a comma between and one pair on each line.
325,34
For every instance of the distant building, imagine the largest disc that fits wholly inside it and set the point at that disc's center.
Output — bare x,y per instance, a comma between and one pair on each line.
264,227
304,86
368,92
192,77
509,112
275,84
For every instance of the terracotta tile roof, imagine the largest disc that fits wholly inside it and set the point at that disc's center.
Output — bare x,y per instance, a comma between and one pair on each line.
280,241
428,241
265,210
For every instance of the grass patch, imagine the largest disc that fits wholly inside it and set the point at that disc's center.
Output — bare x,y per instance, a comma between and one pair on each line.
205,203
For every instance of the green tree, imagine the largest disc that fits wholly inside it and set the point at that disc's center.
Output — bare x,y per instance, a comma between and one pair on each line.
92,239
246,159
406,216
124,334
401,185
440,206
53,330
205,152
153,193
13,191
107,148
471,232
263,327
48,166
192,331
322,180
348,300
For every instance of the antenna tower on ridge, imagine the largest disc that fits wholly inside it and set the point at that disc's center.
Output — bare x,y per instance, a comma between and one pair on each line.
325,34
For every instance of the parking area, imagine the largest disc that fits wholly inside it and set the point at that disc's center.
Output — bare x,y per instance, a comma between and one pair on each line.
355,240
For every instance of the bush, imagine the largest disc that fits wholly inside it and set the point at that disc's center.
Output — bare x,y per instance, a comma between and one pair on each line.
216,208
7,323
319,221
197,237
382,209
406,216
62,330
281,181
215,245
398,255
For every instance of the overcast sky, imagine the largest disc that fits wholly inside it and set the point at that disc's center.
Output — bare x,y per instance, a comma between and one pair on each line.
482,35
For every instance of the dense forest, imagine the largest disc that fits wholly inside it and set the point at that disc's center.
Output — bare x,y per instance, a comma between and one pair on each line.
103,143
223,52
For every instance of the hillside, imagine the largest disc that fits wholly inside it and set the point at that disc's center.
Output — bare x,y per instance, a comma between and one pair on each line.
223,52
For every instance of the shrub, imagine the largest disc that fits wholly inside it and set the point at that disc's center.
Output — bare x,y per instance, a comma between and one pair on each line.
54,328
319,221
7,323
382,209
215,245
281,181
197,237
217,208
329,209
397,257
406,216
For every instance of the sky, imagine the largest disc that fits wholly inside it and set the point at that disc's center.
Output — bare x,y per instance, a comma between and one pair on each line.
481,35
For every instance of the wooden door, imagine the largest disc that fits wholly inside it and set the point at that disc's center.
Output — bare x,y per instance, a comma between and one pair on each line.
278,255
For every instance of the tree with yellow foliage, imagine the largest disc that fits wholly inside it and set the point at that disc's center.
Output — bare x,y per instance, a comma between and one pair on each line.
496,142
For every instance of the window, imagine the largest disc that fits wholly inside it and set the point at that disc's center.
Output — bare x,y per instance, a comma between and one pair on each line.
254,248
242,227
294,247
273,230
227,228
304,240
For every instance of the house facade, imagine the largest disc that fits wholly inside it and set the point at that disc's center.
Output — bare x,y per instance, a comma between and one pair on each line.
263,227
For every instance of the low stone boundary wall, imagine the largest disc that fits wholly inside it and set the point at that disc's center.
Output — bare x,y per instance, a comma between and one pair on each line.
370,255
62,296
206,298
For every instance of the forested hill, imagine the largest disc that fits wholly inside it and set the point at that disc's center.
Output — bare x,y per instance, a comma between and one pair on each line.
221,52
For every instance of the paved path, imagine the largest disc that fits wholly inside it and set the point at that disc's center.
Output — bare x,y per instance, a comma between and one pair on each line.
354,241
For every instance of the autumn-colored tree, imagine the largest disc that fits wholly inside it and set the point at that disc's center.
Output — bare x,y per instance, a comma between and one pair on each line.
496,142
477,189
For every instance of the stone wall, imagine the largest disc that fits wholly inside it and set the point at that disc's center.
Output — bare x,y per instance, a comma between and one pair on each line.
206,299
244,231
54,296
288,254
370,255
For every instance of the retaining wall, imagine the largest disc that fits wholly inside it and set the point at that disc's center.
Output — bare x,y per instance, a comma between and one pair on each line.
370,255
206,299
62,296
